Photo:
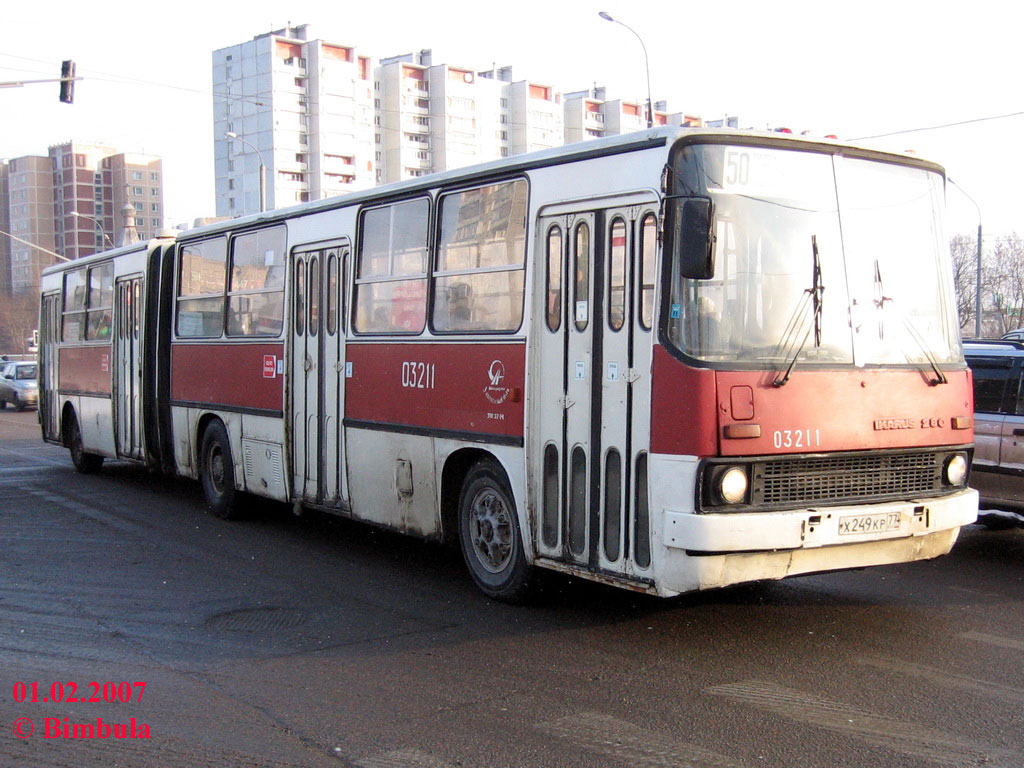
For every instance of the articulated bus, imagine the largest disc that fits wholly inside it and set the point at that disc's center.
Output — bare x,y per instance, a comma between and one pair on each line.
668,361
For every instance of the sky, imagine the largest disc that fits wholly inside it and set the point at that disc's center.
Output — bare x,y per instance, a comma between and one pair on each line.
854,70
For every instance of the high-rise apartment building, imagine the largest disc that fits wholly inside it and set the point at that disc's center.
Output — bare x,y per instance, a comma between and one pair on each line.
97,183
302,107
434,117
589,115
5,227
30,209
535,117
324,120
72,202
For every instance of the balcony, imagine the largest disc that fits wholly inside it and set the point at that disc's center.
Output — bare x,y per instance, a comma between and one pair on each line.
409,125
412,159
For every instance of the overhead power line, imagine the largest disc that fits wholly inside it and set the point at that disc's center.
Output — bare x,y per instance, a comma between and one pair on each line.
938,127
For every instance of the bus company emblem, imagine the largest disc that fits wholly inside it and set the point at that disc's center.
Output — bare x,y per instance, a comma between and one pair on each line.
496,393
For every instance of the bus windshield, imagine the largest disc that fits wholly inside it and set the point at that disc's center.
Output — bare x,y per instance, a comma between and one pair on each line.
819,258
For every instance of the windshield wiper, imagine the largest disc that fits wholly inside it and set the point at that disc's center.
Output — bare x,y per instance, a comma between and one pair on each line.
811,296
880,300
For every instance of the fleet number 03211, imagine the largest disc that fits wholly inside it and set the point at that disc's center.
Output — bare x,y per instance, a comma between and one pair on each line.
796,438
418,375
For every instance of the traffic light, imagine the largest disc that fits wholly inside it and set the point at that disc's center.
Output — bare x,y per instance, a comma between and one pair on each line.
67,81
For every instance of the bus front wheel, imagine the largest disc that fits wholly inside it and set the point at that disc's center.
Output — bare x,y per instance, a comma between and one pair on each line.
217,472
489,535
85,462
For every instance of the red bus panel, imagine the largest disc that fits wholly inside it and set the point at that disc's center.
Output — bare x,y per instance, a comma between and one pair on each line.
85,369
683,418
239,376
844,411
455,387
700,412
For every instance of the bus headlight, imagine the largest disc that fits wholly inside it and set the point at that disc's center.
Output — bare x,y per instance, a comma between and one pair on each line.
955,470
732,485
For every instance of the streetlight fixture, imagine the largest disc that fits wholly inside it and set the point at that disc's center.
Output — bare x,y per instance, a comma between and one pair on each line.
263,169
977,284
78,215
647,64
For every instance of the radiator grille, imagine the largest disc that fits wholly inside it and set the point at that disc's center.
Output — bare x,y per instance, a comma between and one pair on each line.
837,479
778,482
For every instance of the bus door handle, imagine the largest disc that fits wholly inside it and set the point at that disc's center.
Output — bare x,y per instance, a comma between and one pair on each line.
307,364
1018,432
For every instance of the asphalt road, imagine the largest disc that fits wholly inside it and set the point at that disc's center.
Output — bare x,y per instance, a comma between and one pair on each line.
319,642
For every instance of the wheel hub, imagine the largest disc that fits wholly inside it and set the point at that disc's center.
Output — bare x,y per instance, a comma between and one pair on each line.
217,469
491,531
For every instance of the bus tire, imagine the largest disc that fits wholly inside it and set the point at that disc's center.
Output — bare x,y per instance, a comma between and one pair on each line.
489,535
217,472
85,462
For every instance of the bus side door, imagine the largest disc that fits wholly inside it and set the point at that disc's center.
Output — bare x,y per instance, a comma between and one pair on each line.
317,375
49,338
591,384
128,367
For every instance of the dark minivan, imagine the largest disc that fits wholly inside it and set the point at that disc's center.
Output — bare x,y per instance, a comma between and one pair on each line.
997,472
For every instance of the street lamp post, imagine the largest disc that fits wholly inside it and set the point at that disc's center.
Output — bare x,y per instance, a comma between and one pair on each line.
263,169
99,226
647,64
977,284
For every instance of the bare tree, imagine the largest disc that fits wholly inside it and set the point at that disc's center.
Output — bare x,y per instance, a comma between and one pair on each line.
965,270
1003,281
19,315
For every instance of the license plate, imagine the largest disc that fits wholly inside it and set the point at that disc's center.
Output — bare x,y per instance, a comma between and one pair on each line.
860,524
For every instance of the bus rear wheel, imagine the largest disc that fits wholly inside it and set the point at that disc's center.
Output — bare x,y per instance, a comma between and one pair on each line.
217,472
489,535
85,462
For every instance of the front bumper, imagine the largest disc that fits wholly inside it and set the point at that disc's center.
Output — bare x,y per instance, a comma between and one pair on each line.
709,551
725,533
27,397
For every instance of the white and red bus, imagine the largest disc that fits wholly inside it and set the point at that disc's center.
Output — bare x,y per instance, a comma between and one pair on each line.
669,361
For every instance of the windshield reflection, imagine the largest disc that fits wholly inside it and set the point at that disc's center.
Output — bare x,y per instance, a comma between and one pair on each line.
883,290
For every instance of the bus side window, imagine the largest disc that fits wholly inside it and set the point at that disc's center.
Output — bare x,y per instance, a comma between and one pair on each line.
101,302
73,320
256,288
479,276
201,279
391,271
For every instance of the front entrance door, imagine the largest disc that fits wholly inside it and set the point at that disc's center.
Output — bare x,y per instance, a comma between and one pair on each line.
592,385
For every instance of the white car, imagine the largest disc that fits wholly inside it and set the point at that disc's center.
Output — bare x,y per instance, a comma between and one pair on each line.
18,385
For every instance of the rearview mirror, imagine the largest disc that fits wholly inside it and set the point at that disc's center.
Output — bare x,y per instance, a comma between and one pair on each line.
688,229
